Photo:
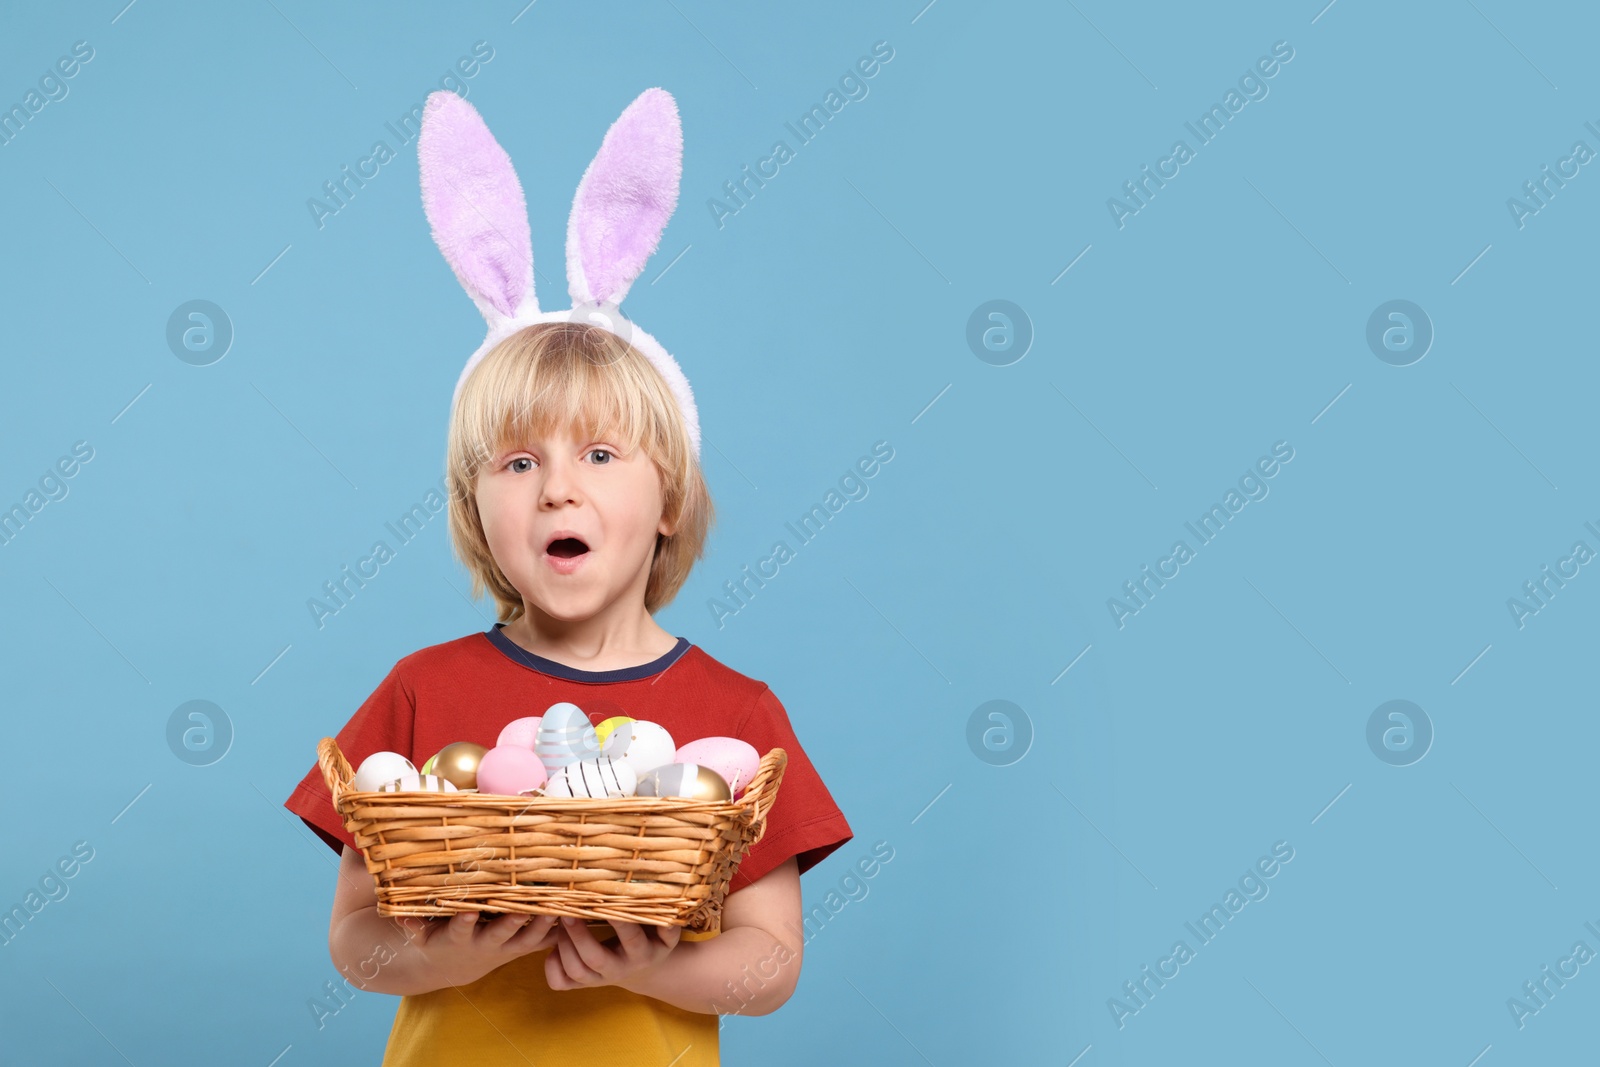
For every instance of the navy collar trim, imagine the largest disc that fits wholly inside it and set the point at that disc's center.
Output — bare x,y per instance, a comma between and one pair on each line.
522,656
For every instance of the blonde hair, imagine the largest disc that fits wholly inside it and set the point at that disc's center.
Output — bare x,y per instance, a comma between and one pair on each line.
572,375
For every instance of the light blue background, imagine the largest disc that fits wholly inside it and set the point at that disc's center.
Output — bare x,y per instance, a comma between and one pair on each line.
827,315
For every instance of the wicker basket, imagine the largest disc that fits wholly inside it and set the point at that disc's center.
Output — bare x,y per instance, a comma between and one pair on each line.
658,860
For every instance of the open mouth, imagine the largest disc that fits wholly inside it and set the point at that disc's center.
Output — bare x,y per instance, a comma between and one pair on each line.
567,548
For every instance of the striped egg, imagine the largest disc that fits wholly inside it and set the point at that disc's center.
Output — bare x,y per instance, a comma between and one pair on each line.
565,736
419,783
602,777
687,780
378,768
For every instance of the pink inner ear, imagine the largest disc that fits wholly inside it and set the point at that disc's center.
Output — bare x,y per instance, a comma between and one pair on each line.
474,203
626,197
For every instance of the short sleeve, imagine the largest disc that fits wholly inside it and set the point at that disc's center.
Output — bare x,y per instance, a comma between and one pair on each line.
383,723
804,821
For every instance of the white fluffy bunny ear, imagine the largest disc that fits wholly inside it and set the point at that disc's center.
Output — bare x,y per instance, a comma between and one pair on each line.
474,204
475,207
627,194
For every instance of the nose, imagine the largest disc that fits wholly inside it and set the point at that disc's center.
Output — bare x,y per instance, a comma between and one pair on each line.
560,485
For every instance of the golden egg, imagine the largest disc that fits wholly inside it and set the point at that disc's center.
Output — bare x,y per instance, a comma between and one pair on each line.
458,763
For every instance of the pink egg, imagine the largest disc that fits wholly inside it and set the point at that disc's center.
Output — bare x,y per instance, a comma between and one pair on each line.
735,760
510,770
520,732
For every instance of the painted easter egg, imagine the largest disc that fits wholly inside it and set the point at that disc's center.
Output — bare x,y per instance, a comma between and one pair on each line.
419,783
644,746
687,780
520,732
458,761
510,770
601,777
734,760
603,730
378,768
565,736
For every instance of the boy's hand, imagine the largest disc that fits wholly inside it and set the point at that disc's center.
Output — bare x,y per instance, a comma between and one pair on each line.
460,951
580,959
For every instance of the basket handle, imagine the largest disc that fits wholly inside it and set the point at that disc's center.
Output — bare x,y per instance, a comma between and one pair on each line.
336,772
759,795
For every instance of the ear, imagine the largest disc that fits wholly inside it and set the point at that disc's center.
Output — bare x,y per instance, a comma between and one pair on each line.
474,204
627,194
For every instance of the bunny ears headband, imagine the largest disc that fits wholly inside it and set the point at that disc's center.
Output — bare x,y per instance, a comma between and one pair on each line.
479,219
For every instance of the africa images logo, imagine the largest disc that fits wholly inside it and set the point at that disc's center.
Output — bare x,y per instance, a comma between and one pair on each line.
1206,128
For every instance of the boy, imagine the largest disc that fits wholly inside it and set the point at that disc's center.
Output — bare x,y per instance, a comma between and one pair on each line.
577,501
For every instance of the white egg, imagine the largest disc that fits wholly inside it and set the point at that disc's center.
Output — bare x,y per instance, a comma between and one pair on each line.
565,736
642,745
602,777
419,783
378,768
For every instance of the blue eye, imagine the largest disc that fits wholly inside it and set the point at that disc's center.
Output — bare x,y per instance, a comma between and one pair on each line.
520,459
601,452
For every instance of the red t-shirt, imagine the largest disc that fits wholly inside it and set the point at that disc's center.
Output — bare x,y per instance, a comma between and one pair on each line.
469,688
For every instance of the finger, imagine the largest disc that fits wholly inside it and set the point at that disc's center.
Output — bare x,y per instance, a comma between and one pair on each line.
576,967
597,957
461,927
634,940
533,936
573,963
555,975
669,934
503,929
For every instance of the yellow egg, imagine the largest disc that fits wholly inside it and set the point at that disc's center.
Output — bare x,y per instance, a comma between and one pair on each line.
608,725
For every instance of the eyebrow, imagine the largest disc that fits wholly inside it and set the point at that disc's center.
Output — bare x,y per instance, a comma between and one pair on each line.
505,449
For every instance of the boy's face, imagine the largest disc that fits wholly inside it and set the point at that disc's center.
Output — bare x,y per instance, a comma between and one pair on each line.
564,484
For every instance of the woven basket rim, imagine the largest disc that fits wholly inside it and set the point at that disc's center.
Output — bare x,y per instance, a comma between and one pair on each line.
337,774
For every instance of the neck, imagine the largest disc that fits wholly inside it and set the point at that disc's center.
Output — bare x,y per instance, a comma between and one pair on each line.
600,643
